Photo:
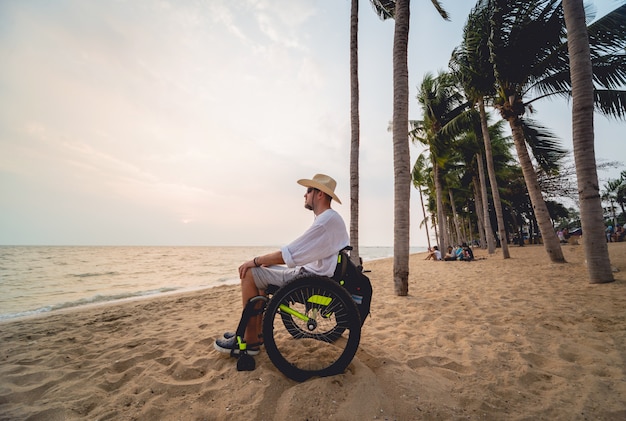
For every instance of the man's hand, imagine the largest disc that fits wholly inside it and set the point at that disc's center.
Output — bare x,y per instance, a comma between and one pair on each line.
243,269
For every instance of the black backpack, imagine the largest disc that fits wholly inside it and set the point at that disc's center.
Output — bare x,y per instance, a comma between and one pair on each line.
351,277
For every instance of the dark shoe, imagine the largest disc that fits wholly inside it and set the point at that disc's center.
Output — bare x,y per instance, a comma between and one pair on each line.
230,345
229,335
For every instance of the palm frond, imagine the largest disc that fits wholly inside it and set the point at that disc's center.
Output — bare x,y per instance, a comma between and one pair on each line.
607,33
609,71
529,29
420,171
611,103
385,9
460,120
440,9
544,144
470,61
557,81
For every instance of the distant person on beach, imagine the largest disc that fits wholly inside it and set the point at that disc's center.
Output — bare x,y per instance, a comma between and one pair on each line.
609,233
314,252
434,254
450,255
458,253
468,254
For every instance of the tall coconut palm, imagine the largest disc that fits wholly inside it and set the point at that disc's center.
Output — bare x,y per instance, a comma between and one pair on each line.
475,154
400,10
419,179
596,250
401,156
523,34
453,184
471,64
491,242
354,132
529,55
440,103
503,163
475,132
469,146
479,212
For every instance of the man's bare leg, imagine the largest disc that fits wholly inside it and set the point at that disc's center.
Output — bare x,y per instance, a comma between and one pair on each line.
248,291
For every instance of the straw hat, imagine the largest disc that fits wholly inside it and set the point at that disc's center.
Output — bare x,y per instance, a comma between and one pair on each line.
323,183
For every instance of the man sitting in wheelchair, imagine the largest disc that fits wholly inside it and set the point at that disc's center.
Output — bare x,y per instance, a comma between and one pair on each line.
314,252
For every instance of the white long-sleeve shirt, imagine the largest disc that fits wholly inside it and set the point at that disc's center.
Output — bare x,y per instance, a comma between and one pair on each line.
316,250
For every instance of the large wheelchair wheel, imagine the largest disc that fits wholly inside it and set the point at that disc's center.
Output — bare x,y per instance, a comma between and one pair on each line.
311,327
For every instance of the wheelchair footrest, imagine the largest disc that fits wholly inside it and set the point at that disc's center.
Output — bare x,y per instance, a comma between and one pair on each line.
246,362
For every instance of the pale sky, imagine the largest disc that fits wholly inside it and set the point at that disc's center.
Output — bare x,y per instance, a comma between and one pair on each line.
145,122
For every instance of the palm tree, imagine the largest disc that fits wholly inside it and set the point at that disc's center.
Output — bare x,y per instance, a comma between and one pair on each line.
475,72
596,250
484,200
400,11
419,179
441,104
473,153
453,184
529,55
611,190
401,156
523,34
354,132
478,200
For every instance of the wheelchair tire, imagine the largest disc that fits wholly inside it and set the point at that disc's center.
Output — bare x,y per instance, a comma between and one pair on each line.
311,327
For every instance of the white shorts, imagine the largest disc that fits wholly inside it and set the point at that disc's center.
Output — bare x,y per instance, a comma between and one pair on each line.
275,275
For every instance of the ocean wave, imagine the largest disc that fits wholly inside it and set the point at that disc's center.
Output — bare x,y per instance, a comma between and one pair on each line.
226,280
96,299
90,274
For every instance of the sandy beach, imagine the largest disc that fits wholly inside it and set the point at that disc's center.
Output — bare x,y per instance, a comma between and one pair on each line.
493,339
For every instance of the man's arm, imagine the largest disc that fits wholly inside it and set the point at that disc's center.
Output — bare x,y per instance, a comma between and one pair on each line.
275,258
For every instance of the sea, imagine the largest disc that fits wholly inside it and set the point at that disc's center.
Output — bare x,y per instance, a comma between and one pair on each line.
41,279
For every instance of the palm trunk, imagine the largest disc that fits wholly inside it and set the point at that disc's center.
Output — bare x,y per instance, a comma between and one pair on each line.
479,213
354,133
401,157
452,231
495,193
595,247
419,188
550,240
455,217
491,242
444,240
436,233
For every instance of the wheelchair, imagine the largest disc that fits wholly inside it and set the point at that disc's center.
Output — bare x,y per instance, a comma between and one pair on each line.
312,325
